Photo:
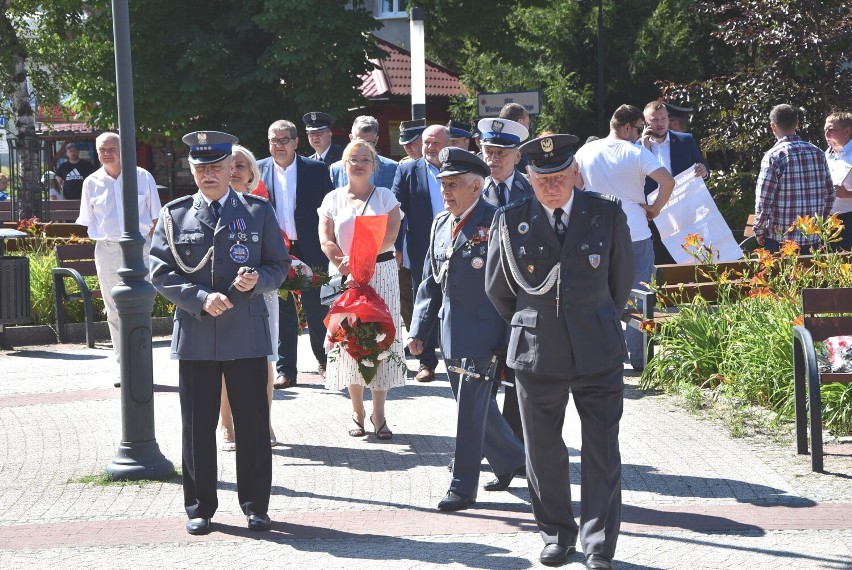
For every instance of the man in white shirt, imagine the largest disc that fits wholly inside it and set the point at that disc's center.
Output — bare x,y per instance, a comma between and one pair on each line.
102,212
838,136
617,166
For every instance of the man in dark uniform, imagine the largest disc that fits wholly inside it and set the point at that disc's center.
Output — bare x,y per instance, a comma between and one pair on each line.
318,127
500,139
213,255
460,133
679,117
409,138
472,332
560,266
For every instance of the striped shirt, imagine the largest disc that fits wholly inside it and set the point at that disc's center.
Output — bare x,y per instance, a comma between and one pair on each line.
794,181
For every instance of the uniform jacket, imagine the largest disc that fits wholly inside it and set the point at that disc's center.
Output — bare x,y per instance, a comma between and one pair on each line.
335,153
470,325
312,184
521,188
411,187
383,175
597,272
685,153
240,332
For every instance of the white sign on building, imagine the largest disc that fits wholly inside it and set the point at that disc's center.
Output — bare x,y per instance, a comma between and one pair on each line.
491,103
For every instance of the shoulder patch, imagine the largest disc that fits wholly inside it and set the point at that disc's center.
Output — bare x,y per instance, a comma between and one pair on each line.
255,197
177,201
605,197
516,204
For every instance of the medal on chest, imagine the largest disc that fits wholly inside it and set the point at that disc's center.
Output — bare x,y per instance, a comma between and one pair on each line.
238,252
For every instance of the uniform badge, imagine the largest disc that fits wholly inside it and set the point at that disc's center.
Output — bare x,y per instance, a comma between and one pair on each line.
530,267
584,247
201,137
232,236
595,260
547,144
497,126
243,236
477,262
523,228
239,253
255,238
449,252
313,117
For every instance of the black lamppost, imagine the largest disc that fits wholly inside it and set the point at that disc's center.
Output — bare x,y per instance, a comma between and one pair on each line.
138,455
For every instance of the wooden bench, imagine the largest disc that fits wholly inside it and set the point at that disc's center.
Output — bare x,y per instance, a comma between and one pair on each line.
6,210
676,284
827,313
61,210
74,261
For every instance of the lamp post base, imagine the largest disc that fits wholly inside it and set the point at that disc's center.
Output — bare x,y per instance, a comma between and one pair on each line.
139,460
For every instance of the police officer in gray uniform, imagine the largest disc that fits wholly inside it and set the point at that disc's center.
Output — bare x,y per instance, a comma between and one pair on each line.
559,270
213,255
472,332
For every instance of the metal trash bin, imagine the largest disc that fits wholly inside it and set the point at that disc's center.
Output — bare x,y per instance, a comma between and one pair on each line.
15,308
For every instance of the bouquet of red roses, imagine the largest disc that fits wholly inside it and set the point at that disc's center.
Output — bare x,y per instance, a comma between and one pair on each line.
301,277
359,320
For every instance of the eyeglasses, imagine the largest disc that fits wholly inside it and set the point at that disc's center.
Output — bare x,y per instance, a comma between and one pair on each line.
280,142
356,162
639,128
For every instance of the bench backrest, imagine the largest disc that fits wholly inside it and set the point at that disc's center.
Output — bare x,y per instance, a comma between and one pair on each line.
6,211
79,256
827,312
683,282
62,210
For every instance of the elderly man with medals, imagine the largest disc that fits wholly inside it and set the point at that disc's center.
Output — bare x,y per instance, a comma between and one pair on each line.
559,270
213,255
473,336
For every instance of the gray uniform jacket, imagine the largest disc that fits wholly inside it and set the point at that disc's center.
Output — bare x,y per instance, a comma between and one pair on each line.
247,220
520,189
597,270
470,325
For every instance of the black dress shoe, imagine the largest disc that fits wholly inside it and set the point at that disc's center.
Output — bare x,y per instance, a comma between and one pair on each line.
555,554
455,502
502,482
198,526
598,562
259,522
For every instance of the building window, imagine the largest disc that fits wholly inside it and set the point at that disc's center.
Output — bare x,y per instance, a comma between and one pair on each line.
391,8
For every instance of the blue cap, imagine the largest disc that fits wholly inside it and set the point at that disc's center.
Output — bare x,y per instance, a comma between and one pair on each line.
317,121
503,133
455,160
209,147
459,130
410,130
548,154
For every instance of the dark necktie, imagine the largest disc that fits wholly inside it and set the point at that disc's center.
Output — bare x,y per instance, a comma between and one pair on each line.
501,193
559,225
215,207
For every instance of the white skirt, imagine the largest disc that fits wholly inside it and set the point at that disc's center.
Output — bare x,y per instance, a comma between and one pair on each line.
343,369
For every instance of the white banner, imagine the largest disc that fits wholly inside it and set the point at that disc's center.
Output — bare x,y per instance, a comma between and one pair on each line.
691,210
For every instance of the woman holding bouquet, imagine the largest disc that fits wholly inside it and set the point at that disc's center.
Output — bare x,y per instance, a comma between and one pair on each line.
336,227
245,177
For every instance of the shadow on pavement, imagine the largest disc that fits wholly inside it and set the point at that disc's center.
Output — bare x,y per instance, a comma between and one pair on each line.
51,355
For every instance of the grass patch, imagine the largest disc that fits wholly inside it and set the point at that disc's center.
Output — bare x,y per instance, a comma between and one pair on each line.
103,479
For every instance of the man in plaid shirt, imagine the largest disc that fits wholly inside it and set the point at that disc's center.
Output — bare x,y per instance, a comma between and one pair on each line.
794,181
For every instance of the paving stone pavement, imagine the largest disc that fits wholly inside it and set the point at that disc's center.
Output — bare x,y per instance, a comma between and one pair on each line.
694,497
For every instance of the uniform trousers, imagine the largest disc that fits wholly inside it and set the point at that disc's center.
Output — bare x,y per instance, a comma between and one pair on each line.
480,429
511,412
288,328
599,399
428,356
200,389
107,264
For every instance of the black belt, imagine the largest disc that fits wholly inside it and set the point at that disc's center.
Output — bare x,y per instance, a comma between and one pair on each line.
386,256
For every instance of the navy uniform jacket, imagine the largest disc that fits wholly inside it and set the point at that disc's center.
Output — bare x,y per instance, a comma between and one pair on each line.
470,325
597,273
521,188
240,332
684,153
312,184
411,187
335,153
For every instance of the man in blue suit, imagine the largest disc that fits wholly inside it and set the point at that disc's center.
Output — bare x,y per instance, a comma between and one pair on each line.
472,332
366,128
676,152
418,190
296,188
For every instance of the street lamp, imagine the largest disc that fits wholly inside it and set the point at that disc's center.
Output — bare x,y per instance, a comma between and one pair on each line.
138,455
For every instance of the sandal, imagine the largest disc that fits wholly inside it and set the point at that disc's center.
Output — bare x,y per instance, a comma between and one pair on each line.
357,431
273,441
228,443
383,432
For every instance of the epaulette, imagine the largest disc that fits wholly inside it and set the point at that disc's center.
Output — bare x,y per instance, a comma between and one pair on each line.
516,204
255,197
606,197
177,201
445,214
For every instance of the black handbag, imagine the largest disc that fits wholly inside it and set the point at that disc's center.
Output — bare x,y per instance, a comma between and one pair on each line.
329,292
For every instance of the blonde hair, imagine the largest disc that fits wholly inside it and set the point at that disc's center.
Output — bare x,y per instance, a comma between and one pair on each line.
252,162
355,145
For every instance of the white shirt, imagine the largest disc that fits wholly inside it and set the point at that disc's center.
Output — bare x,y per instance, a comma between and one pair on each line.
102,210
663,151
336,206
839,164
566,212
285,198
434,189
618,168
